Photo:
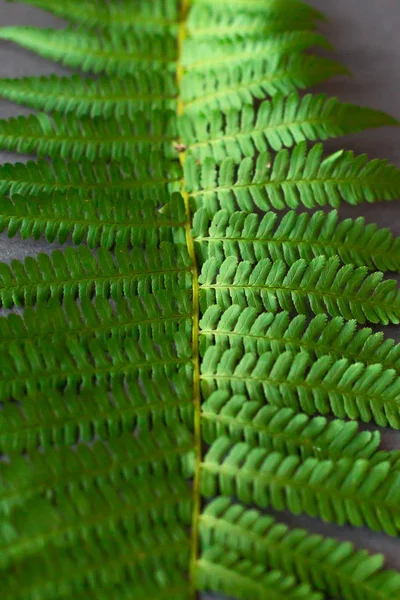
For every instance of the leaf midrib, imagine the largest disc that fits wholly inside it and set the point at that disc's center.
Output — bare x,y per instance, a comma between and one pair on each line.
307,344
318,293
355,181
321,120
285,483
331,243
77,281
295,437
116,463
268,380
299,554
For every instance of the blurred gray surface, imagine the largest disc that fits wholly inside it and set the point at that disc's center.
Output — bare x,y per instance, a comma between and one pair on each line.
365,35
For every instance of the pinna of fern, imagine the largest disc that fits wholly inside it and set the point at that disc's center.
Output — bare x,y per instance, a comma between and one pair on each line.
202,339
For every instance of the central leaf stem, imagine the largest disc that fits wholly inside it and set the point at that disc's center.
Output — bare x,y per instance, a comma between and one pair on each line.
196,317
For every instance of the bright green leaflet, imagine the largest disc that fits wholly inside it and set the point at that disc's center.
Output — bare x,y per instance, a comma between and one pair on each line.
200,350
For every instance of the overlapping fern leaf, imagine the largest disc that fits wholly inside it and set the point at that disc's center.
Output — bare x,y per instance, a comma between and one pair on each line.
194,353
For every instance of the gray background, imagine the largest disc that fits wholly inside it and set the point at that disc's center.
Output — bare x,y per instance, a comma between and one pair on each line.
365,34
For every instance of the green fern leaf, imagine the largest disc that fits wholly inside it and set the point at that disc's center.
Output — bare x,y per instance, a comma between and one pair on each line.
283,430
333,567
72,517
124,179
250,19
98,317
96,52
100,574
289,180
79,273
253,80
69,137
100,222
294,236
280,122
62,419
346,491
72,365
25,480
222,571
95,97
210,56
266,7
355,391
178,320
322,286
160,15
252,331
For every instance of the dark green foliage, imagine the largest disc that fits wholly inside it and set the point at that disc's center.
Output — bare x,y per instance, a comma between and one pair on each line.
182,319
333,567
72,365
87,501
97,52
320,286
289,180
258,332
212,20
123,179
222,571
65,418
254,79
79,273
323,386
293,236
283,429
99,222
210,57
343,491
104,96
282,121
66,136
115,16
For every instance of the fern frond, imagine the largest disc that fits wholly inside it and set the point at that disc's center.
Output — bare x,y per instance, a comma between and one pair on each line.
344,491
171,585
211,21
63,419
124,179
283,430
98,317
79,273
103,96
121,568
97,51
211,55
220,571
116,461
293,236
336,568
290,179
178,322
67,136
98,222
265,7
42,368
92,513
325,386
234,86
282,121
118,16
256,332
322,286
